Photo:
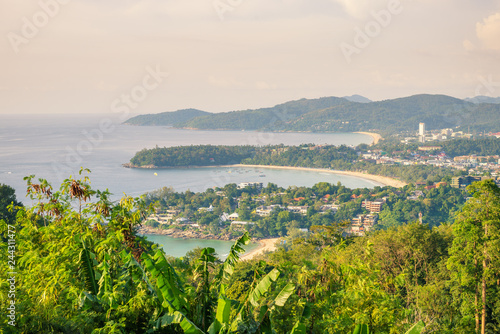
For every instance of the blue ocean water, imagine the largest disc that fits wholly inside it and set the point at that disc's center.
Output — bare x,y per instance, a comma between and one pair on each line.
56,146
179,247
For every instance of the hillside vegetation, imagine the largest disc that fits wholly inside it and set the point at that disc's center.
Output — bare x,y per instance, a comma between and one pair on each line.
166,118
81,267
341,115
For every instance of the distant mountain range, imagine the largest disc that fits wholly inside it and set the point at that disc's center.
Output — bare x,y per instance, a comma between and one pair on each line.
348,114
483,99
357,98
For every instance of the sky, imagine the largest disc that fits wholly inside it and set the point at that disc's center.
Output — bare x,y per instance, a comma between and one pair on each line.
150,56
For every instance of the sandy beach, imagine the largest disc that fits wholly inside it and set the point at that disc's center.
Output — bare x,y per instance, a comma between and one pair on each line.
377,178
266,245
376,137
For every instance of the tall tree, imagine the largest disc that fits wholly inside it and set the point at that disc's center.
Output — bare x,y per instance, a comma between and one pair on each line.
474,255
7,197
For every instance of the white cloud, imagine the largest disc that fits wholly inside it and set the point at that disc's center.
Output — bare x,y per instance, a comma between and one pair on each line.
488,32
468,45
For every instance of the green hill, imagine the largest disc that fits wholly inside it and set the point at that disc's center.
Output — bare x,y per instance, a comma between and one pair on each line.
390,116
166,118
264,118
340,115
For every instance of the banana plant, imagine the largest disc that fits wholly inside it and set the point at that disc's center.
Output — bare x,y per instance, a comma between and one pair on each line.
415,329
229,316
87,261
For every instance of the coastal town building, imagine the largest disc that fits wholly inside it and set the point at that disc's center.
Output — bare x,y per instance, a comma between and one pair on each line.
183,221
209,209
421,132
240,225
361,224
464,181
265,211
373,206
233,217
256,185
424,135
328,207
298,209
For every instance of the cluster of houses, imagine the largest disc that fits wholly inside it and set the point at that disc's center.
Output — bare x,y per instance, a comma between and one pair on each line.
365,222
358,227
171,216
359,224
473,164
424,135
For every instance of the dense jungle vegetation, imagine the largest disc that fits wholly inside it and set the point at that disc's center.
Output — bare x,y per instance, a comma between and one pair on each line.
80,267
307,155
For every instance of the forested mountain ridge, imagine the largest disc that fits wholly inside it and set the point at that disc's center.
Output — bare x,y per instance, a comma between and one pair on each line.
341,115
166,118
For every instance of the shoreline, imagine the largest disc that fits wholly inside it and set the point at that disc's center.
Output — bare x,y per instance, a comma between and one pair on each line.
375,136
181,234
265,245
385,180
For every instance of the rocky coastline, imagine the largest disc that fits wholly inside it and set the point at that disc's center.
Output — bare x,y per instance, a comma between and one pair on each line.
187,234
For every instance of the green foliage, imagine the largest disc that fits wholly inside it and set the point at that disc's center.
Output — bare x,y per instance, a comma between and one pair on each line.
83,269
479,146
338,114
200,155
209,155
265,118
87,271
307,155
8,198
417,328
361,329
166,118
87,263
474,256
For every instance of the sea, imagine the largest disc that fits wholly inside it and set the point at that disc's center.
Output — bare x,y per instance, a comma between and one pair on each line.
53,147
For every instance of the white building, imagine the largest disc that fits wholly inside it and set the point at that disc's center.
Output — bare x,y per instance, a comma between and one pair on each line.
257,185
265,211
421,132
421,129
298,209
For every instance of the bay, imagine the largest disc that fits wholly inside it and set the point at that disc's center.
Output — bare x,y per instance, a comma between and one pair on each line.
178,247
56,146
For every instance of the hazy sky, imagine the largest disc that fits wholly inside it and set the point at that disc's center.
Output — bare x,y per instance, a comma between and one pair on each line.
77,56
